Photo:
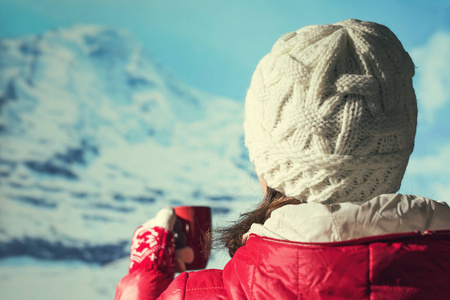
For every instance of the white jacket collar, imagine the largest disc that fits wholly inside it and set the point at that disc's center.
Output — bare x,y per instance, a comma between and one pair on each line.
384,214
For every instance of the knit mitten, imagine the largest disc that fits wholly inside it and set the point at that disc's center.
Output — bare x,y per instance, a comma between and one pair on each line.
153,244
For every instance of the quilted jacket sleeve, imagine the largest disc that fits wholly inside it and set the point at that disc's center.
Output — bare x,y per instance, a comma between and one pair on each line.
205,284
177,289
152,265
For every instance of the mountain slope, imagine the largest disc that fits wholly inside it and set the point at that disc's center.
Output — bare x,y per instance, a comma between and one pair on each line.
96,137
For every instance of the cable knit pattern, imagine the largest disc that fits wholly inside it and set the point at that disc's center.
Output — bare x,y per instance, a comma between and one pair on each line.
331,113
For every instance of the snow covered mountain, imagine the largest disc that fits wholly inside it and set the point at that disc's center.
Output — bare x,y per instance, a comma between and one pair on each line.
96,137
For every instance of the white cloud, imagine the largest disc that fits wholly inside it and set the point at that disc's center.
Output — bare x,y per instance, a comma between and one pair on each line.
433,74
436,163
429,175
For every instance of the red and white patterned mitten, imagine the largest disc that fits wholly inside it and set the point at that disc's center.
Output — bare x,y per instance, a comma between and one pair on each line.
153,245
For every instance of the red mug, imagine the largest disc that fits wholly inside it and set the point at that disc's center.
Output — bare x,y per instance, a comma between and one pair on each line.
195,224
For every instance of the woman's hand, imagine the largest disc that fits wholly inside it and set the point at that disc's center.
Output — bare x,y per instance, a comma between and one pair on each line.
155,242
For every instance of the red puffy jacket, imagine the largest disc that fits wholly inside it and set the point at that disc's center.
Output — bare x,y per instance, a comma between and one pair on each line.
396,266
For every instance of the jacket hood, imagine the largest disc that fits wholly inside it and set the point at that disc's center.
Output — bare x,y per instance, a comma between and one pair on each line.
384,214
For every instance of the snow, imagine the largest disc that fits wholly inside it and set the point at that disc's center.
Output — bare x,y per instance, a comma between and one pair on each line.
23,278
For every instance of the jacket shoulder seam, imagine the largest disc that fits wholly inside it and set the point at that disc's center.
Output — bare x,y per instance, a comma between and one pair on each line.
206,288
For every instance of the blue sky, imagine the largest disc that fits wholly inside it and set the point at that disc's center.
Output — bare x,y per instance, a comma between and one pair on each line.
215,46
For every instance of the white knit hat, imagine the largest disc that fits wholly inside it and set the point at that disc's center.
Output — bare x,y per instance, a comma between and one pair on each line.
331,113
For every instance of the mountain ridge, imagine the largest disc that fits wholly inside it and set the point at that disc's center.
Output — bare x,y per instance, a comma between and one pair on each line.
96,137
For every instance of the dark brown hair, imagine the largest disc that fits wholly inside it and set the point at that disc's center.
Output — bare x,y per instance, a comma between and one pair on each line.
231,237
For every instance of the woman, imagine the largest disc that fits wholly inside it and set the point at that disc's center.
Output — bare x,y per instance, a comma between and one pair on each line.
330,121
